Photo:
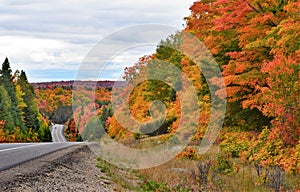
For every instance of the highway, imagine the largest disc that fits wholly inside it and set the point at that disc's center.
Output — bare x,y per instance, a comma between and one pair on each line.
57,132
16,153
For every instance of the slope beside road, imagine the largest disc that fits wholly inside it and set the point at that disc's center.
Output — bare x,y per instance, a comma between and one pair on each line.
14,154
71,169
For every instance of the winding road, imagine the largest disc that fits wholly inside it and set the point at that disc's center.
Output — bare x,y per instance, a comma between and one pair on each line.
57,132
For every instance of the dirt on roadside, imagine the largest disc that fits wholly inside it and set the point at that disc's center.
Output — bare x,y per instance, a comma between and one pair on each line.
72,169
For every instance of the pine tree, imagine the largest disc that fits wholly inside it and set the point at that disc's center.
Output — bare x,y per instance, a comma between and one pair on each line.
6,80
5,105
32,118
30,110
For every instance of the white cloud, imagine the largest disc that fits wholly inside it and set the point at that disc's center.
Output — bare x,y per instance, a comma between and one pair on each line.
57,34
31,53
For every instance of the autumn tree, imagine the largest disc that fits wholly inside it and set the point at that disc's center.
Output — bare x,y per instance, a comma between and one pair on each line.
257,45
72,132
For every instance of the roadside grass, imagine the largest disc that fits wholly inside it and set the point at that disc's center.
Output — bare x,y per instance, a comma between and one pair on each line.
131,180
189,175
128,179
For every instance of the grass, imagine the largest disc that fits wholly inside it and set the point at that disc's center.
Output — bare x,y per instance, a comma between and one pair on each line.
127,179
184,175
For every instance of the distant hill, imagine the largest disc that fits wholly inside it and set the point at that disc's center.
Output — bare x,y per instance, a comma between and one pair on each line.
73,84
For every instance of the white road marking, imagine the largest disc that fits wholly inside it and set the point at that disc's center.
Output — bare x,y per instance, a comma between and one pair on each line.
10,149
57,134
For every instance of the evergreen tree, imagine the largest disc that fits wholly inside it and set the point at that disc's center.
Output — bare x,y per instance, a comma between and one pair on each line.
18,106
44,133
6,79
30,110
32,118
5,106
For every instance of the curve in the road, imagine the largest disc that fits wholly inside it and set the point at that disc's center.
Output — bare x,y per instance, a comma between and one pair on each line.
57,133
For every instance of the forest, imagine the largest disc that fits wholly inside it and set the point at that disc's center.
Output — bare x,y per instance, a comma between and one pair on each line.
256,45
20,119
77,110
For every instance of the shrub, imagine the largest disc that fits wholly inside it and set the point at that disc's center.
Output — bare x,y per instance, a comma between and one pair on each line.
189,153
224,165
154,186
236,142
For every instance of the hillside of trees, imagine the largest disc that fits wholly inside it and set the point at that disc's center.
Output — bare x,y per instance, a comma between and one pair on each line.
20,119
257,48
70,84
256,45
78,110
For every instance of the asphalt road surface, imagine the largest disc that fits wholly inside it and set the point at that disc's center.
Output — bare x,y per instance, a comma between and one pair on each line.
16,153
57,133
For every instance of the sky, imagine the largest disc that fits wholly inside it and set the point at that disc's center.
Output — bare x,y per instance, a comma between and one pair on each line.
50,39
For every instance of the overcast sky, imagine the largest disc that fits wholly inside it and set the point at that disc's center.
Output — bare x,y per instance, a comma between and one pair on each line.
50,39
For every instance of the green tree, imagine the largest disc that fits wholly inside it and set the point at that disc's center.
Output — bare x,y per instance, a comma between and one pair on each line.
30,110
107,111
94,130
159,69
5,105
44,133
31,115
6,79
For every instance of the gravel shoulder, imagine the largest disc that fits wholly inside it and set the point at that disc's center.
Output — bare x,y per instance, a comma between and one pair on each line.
71,169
